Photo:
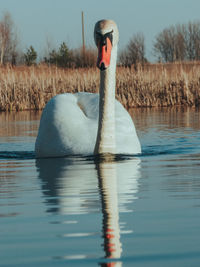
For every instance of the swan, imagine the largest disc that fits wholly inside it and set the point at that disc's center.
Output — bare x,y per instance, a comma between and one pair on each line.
88,123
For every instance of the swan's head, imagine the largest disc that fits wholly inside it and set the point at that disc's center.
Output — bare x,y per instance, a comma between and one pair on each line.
106,37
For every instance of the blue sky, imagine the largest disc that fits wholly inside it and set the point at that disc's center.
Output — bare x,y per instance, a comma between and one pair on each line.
60,20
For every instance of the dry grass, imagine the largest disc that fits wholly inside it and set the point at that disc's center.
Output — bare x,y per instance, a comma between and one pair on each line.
160,85
24,88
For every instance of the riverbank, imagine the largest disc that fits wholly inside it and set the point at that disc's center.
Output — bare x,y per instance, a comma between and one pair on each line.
154,85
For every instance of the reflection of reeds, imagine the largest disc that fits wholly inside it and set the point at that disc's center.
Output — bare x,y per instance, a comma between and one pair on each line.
157,85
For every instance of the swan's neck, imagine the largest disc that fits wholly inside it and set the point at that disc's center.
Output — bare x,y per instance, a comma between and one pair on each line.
105,142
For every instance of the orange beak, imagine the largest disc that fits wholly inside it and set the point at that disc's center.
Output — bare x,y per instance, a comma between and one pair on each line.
104,54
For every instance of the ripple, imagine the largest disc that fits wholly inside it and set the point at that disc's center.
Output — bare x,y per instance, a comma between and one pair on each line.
12,214
17,155
158,150
155,150
79,234
71,257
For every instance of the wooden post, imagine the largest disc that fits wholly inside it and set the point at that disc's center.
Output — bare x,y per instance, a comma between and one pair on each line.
83,37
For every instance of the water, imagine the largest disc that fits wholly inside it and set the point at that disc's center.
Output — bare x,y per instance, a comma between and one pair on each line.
76,211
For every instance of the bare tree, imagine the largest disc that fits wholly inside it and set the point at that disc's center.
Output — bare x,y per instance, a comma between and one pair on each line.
48,48
134,53
8,39
136,49
165,45
178,43
192,40
180,47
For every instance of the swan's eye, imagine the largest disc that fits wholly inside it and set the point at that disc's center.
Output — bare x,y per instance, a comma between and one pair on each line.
101,38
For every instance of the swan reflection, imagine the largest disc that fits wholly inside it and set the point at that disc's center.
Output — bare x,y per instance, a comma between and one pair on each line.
72,185
107,178
68,184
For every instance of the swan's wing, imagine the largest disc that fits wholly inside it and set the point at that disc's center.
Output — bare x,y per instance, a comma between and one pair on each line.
89,104
65,128
126,137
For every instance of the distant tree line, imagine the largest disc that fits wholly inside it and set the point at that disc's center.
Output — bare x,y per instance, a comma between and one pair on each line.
180,42
64,57
61,57
175,43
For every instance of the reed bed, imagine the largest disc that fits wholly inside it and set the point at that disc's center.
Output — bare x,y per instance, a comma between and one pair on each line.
153,85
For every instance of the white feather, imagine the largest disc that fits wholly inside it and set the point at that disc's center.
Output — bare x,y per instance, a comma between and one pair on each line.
69,124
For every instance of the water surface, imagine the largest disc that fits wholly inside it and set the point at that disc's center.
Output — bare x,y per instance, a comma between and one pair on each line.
77,211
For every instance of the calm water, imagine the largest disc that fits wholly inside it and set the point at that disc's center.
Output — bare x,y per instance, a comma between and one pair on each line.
142,211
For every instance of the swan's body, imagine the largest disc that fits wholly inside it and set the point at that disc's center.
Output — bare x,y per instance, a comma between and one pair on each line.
69,126
85,123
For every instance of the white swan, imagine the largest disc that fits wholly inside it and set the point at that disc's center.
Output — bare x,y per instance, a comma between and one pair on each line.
85,123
